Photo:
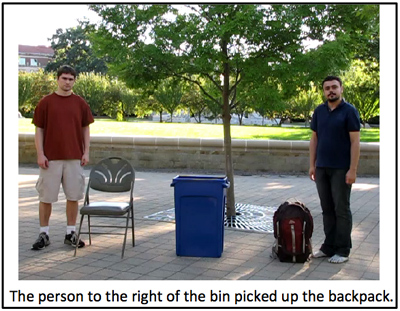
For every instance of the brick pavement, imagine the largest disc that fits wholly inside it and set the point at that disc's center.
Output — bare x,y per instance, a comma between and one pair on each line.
246,254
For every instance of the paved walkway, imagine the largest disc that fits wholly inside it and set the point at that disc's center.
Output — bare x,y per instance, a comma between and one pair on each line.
246,254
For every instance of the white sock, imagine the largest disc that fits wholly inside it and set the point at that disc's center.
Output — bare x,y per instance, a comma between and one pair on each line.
70,229
44,229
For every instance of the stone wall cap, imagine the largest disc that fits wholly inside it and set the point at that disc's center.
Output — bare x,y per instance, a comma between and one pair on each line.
205,142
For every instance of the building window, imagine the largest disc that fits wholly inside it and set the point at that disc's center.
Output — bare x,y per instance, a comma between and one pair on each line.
34,62
22,61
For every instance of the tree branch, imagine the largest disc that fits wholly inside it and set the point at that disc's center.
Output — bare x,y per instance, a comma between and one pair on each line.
213,81
199,85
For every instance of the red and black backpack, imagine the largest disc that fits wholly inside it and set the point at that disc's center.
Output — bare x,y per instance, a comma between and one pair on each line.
293,228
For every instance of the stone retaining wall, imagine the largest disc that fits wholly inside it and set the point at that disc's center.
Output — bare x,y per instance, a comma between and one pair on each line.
205,153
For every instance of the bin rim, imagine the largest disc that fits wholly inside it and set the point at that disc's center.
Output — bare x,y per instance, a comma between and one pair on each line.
208,178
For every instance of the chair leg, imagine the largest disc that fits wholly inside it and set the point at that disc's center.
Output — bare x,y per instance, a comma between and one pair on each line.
79,233
126,233
90,236
133,228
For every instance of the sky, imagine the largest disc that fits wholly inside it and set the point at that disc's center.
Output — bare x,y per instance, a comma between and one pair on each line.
44,20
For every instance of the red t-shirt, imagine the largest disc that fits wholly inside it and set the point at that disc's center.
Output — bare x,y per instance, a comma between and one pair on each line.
62,118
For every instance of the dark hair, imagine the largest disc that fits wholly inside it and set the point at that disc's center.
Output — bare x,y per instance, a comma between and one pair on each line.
66,69
331,78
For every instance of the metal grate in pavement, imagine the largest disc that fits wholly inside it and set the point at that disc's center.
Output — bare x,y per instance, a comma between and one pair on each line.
248,217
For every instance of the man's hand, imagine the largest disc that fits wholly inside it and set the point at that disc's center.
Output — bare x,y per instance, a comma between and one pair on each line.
85,159
351,177
43,161
311,173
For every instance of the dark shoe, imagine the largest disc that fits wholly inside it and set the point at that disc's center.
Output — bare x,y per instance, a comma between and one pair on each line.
41,242
71,240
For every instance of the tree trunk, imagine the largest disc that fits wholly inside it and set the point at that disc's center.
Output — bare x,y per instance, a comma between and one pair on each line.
160,116
226,117
240,117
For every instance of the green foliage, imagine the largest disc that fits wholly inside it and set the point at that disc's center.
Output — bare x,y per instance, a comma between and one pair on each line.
169,95
193,100
345,32
200,103
265,97
304,103
120,101
24,91
361,88
148,43
129,101
105,96
194,46
72,47
93,88
361,24
32,87
119,112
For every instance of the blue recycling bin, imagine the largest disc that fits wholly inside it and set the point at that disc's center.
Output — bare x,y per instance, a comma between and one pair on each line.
199,215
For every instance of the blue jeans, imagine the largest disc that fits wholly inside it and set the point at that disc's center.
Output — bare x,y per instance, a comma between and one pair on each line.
334,195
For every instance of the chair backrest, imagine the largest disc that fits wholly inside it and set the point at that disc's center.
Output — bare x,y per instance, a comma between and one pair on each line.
113,174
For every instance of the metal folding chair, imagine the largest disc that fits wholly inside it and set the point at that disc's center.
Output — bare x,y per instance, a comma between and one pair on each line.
113,174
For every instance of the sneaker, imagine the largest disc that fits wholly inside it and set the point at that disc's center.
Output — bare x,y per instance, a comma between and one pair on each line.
41,242
71,240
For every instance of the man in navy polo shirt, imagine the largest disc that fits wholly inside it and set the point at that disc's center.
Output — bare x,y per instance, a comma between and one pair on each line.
334,154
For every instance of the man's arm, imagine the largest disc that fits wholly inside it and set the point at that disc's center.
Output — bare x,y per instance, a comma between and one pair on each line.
354,157
42,160
313,155
86,145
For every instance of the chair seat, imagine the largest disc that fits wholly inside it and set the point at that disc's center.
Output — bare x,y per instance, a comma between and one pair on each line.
105,208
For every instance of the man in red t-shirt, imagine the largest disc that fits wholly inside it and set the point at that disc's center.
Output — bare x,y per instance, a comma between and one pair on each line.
62,141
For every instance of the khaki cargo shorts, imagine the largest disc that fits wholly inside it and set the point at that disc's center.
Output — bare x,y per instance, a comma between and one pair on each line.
69,173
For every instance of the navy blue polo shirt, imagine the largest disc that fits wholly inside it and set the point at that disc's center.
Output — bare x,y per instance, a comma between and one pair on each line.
332,128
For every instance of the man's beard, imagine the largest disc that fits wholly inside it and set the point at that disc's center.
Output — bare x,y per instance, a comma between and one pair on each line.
333,99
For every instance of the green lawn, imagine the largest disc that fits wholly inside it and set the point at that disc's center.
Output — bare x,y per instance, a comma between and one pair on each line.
107,126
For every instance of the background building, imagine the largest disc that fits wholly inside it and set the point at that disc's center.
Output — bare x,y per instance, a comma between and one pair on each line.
31,58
